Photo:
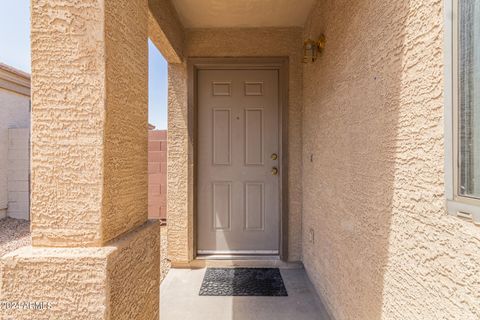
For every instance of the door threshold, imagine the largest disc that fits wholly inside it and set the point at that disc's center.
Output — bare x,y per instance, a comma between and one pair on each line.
201,262
236,257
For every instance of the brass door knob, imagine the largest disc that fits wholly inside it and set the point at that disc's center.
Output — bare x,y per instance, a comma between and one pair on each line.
274,156
274,171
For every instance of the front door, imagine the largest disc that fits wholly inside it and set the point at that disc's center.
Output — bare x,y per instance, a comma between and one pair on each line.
238,162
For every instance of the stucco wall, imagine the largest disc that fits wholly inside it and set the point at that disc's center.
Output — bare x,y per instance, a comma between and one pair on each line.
89,167
89,120
166,30
125,154
134,274
179,167
14,109
67,153
259,42
373,180
118,281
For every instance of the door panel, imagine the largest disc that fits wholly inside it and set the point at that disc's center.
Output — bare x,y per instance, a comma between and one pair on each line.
221,141
238,196
253,136
222,199
254,206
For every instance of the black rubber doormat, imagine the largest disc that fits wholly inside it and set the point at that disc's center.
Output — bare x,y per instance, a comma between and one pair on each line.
243,282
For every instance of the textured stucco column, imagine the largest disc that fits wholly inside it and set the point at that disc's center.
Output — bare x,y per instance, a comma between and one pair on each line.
89,120
180,168
94,254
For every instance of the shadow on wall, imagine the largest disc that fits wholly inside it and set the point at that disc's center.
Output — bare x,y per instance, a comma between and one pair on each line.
384,247
352,97
373,192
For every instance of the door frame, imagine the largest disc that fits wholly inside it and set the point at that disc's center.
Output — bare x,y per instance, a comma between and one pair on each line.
245,63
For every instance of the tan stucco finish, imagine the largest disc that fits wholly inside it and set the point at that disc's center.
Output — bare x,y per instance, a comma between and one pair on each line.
261,42
94,254
67,159
118,281
89,120
125,154
179,168
165,30
384,246
243,14
366,152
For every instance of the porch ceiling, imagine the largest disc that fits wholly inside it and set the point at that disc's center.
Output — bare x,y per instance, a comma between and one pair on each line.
242,13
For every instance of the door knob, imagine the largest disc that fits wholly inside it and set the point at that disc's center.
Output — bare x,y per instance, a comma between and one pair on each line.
274,171
274,156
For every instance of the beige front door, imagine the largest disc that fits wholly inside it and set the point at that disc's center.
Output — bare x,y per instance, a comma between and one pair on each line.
238,153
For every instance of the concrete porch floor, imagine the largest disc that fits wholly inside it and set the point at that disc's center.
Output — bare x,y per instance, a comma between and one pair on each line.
179,299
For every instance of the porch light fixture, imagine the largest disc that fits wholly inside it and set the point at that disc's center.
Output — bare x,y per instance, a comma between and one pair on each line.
312,48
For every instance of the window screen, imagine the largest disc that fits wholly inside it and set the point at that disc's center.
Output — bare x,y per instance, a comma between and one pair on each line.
469,98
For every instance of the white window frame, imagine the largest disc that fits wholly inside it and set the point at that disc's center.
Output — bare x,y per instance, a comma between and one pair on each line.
457,205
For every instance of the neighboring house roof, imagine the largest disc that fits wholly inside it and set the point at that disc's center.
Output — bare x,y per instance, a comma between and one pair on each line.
14,80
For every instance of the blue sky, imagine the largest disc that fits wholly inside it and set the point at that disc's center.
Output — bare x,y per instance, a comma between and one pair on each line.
157,87
15,51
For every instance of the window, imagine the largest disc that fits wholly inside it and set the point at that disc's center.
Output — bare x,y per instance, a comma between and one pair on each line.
469,98
462,108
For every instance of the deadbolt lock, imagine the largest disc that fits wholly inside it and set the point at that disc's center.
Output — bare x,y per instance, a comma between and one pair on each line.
274,171
274,156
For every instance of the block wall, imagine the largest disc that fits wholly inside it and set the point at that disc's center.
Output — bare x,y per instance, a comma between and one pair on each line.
19,173
14,111
157,174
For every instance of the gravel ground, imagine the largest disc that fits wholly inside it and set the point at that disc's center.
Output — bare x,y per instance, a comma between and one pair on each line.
14,234
164,262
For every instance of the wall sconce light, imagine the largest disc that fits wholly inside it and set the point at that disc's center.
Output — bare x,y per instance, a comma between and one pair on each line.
312,48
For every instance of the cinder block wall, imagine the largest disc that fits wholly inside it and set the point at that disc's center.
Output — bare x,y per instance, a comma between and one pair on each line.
18,173
157,174
14,111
